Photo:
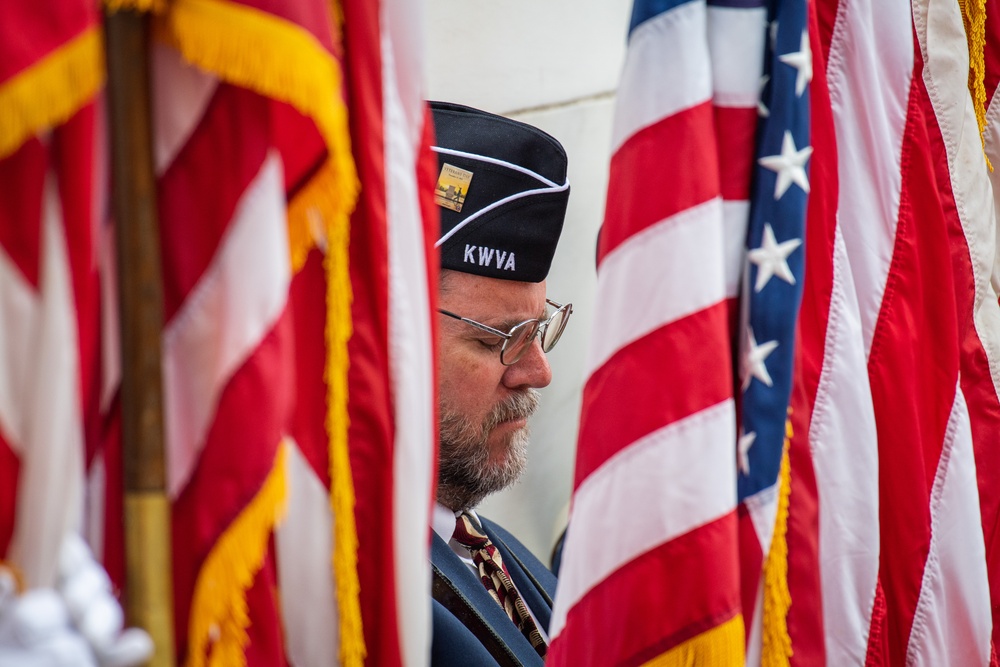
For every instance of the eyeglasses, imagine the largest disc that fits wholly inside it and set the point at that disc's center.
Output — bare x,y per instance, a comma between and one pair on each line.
519,338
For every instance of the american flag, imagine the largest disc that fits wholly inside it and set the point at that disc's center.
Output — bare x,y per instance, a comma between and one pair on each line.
832,500
51,202
297,335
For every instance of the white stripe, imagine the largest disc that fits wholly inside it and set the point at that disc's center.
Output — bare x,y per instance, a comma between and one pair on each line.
952,622
763,510
844,444
755,638
672,50
224,318
871,63
497,204
735,220
411,358
970,180
736,41
496,161
94,513
696,453
111,358
40,399
303,542
181,93
684,249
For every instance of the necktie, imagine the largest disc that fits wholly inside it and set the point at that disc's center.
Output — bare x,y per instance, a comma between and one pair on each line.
493,573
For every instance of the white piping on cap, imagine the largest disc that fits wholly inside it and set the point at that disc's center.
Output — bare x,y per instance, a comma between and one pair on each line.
551,187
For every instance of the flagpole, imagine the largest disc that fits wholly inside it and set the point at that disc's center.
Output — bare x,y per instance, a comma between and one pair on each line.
149,590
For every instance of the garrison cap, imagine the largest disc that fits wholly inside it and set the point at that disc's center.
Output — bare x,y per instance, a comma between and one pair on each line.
502,190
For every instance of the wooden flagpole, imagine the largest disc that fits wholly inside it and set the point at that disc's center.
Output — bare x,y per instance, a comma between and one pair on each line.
149,590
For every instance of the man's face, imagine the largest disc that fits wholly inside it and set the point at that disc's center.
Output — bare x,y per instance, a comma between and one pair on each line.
485,405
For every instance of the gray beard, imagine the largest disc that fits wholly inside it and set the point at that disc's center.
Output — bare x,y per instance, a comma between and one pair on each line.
465,474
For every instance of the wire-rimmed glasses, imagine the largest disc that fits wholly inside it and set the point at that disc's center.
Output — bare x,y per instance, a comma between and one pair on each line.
519,338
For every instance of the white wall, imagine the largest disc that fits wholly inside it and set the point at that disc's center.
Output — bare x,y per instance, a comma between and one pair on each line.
554,64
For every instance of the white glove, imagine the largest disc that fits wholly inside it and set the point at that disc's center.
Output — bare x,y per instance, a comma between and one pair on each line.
96,614
78,624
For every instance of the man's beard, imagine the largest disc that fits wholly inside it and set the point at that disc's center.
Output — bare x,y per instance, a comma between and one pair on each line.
465,473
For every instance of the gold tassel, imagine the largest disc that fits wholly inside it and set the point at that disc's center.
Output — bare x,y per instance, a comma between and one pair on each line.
219,613
722,646
974,19
50,91
776,644
339,328
272,57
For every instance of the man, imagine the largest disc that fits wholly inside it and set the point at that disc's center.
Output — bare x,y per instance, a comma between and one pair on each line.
502,190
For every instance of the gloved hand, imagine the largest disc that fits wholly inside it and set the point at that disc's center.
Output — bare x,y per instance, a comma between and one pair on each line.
77,624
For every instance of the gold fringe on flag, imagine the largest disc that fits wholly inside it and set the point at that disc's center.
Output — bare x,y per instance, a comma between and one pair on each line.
722,646
339,328
776,644
50,91
308,210
219,614
275,58
974,18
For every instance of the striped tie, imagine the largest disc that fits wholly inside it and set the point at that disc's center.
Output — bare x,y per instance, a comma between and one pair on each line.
493,573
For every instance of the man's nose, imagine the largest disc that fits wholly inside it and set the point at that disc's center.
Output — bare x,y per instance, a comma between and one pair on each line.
531,370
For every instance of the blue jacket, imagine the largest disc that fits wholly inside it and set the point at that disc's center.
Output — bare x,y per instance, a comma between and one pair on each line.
468,610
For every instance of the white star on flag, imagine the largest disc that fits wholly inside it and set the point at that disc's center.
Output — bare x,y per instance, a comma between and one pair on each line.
753,363
771,258
802,60
762,109
790,166
743,449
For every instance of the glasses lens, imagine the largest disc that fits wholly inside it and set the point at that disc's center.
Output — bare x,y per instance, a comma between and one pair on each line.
520,338
556,326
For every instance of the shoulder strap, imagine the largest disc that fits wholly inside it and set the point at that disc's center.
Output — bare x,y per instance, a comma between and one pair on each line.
452,599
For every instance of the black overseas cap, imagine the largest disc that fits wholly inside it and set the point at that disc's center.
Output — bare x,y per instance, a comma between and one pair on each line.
502,189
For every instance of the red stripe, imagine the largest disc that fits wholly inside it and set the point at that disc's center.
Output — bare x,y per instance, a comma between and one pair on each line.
302,148
751,566
114,500
314,17
198,195
913,364
805,617
674,591
250,421
826,19
991,52
372,428
805,584
267,640
307,303
736,129
23,175
10,467
627,398
675,160
33,30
